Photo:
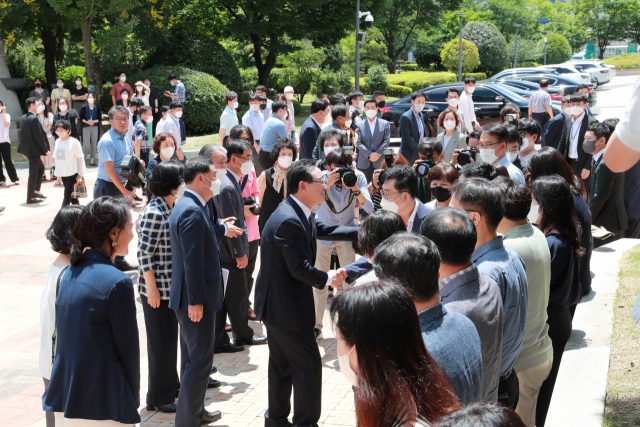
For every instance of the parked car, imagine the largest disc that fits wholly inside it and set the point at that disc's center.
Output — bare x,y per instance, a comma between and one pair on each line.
597,69
488,100
521,71
612,70
567,85
569,71
525,88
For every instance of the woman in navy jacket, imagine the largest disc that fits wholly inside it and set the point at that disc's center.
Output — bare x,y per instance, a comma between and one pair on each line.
96,370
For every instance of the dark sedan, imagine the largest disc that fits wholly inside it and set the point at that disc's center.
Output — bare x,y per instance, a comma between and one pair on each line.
488,100
525,88
568,86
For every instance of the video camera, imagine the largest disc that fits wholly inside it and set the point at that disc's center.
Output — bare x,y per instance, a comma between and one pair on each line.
465,156
133,171
423,166
347,173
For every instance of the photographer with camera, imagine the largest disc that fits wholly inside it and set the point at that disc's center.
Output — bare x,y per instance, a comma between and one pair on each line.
341,122
375,135
468,154
430,153
390,159
356,103
510,114
345,187
451,139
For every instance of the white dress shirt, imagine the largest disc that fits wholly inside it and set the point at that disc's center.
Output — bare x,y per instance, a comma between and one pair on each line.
573,136
468,112
372,125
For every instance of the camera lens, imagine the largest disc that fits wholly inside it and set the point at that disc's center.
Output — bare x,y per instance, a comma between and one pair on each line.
348,177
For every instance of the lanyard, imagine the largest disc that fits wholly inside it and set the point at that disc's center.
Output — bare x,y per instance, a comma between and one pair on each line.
332,206
574,135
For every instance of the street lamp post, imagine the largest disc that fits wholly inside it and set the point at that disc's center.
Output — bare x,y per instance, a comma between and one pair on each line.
460,15
360,38
515,57
545,47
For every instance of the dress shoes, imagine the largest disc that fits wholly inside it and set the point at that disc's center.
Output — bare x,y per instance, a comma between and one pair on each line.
123,265
40,196
213,383
252,315
214,370
32,201
169,409
228,348
207,417
256,339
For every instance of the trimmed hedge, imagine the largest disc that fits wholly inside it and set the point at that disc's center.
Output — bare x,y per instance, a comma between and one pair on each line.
491,45
421,80
409,66
398,91
627,61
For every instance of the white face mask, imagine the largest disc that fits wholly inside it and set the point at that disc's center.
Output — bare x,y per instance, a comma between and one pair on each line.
63,108
418,107
215,186
488,155
168,152
534,214
40,109
391,206
123,79
371,113
577,110
361,105
181,189
245,168
235,105
289,95
347,123
525,143
285,161
327,150
173,83
90,100
470,89
512,156
254,107
125,96
449,124
60,85
345,367
453,102
139,88
149,119
178,114
78,82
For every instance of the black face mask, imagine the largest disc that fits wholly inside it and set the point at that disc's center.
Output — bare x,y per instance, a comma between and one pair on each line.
37,85
381,104
441,194
263,106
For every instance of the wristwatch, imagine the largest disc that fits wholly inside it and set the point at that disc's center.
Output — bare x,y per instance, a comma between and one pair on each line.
357,193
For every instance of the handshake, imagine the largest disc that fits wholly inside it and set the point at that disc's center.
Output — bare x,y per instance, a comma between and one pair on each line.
337,277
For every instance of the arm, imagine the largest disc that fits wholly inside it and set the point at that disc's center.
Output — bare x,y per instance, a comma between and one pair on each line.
7,118
357,269
316,152
308,138
564,140
150,229
262,182
405,130
604,186
39,135
221,134
80,157
551,132
530,111
550,111
364,198
192,234
115,178
340,233
618,155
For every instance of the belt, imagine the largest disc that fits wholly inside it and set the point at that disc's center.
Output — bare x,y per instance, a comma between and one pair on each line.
507,375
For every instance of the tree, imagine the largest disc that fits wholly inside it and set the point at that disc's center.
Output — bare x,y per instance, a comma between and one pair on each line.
376,79
333,58
372,51
427,50
558,48
606,20
470,56
529,50
490,43
301,65
451,22
634,20
569,25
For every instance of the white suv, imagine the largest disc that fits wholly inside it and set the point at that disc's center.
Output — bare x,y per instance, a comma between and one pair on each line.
569,71
596,68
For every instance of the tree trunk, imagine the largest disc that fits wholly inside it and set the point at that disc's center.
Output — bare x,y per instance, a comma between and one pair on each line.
264,69
59,40
49,46
89,62
391,67
4,68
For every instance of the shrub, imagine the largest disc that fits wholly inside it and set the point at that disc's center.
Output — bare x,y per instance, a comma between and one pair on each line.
249,77
491,45
204,96
450,55
528,64
334,58
376,79
427,51
105,99
398,91
627,61
477,76
69,74
330,82
299,78
409,66
558,49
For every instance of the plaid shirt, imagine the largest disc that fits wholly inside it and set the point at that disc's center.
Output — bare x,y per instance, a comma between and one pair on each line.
180,91
154,246
140,132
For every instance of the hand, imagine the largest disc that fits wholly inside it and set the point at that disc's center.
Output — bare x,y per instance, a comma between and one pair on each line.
153,297
376,178
336,279
585,173
228,220
454,160
179,155
156,111
334,176
195,312
233,231
415,164
374,157
48,153
242,262
129,196
478,127
79,179
247,211
25,157
343,273
142,162
354,188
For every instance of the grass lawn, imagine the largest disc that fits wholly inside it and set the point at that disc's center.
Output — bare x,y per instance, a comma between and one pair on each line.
622,406
628,61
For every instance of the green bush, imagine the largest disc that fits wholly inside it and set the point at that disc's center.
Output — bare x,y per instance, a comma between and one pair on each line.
558,48
298,78
376,78
330,82
204,96
421,80
249,77
628,61
334,58
490,43
69,74
105,99
398,91
450,55
528,64
477,76
427,51
409,66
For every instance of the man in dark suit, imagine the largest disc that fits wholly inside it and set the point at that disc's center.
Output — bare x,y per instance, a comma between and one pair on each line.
412,127
311,128
552,131
573,135
234,254
196,290
33,144
375,134
606,189
284,297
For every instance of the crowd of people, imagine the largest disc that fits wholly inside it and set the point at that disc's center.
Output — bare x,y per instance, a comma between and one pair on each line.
450,279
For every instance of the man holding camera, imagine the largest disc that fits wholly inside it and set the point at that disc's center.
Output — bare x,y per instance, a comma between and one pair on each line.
345,187
375,135
430,152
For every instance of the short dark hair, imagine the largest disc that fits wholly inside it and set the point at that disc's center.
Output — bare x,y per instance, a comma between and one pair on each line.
334,158
336,99
262,88
531,127
611,123
544,83
117,109
508,109
579,97
475,134
237,147
59,233
284,142
339,110
229,96
29,102
196,166
442,171
454,234
418,94
413,261
498,130
377,93
469,79
318,105
580,87
600,130
451,89
405,179
517,199
262,98
481,196
300,171
123,90
64,124
175,104
514,135
481,414
173,76
165,178
238,130
277,106
376,228
136,102
375,103
144,109
480,170
354,95
160,138
253,97
565,99
164,109
332,133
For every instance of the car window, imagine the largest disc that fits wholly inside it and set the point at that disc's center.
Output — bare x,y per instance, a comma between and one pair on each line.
484,94
564,70
514,97
437,95
535,79
588,66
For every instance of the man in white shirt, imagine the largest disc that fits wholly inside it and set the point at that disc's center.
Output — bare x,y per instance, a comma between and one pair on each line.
164,111
262,91
466,104
493,149
253,119
229,117
172,122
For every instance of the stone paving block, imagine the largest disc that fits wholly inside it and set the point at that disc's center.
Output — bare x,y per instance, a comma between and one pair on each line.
33,418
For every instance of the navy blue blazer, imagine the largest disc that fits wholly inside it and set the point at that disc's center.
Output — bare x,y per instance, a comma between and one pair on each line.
362,266
308,137
197,275
553,131
96,371
230,204
212,210
283,295
410,134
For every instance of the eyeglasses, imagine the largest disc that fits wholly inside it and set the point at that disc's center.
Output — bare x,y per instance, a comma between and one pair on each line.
317,182
386,195
245,158
482,146
120,119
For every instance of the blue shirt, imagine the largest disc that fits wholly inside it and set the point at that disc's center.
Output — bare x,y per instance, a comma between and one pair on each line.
505,266
181,92
266,113
454,343
340,198
255,122
273,129
112,148
514,173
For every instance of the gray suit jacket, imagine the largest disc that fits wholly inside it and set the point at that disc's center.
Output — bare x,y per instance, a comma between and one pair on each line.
458,141
368,144
230,204
478,297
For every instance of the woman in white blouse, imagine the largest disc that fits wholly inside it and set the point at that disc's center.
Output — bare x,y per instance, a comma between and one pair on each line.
69,160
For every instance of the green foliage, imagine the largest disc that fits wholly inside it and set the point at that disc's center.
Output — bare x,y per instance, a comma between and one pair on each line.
376,78
299,72
409,66
477,76
24,61
333,58
421,80
372,51
504,14
204,96
606,20
330,82
490,43
249,77
628,61
451,22
398,91
451,52
105,99
529,50
427,51
558,49
69,74
528,64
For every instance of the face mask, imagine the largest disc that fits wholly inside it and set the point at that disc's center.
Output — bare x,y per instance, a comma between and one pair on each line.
38,85
441,194
178,114
577,110
123,79
418,107
235,105
263,106
90,100
568,111
62,134
289,95
78,82
345,367
40,109
381,104
470,89
172,83
371,113
449,124
139,88
60,85
149,119
525,144
245,168
347,123
453,102
533,214
488,155
589,145
390,206
181,189
125,96
254,107
327,150
285,161
63,108
512,156
361,105
168,152
214,187
118,132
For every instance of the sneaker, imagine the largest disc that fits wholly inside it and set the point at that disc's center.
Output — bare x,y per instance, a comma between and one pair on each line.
1,183
16,182
318,333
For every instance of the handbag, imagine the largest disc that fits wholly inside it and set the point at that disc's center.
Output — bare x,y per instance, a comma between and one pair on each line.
79,190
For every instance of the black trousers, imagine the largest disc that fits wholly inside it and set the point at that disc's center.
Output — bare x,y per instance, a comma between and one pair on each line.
36,170
162,351
368,172
236,305
633,232
265,159
5,154
183,129
541,118
509,390
144,156
294,364
68,182
196,354
560,323
577,170
251,266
